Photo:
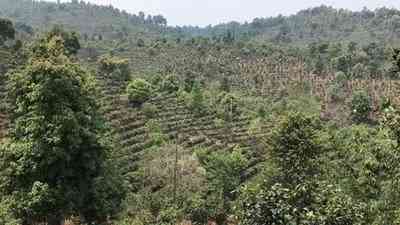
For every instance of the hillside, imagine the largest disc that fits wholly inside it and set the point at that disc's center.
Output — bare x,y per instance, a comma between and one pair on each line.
311,25
317,24
284,120
91,21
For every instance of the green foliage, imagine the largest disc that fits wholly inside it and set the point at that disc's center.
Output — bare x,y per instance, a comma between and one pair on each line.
270,207
302,205
7,30
149,110
197,209
312,174
298,193
170,84
296,147
364,166
50,167
139,91
394,70
361,106
140,43
223,173
227,105
337,89
71,39
156,135
114,67
6,215
196,100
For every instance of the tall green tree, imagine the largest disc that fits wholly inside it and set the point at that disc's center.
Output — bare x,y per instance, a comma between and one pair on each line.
71,39
296,148
54,164
361,106
296,192
7,30
223,174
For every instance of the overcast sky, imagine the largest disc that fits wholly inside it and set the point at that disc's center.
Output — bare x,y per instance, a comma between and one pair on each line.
205,12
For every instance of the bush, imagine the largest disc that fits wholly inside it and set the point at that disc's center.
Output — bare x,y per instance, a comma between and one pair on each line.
140,43
223,174
170,84
337,88
169,215
361,106
336,92
156,135
196,99
138,91
228,105
114,66
149,110
197,210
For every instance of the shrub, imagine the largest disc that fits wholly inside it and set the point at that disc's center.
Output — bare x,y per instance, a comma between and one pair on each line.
114,66
156,135
170,84
197,209
149,110
337,88
361,106
336,93
228,105
196,99
385,103
140,43
138,91
223,174
169,215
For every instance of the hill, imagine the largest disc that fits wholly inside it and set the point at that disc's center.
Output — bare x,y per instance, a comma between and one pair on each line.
317,24
322,23
221,124
91,21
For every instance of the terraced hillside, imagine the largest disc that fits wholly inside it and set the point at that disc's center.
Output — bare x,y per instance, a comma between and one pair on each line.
256,75
178,123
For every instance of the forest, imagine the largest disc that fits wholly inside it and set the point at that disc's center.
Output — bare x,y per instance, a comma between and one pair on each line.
114,118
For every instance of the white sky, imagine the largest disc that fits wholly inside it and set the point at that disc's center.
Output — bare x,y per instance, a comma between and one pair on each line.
205,12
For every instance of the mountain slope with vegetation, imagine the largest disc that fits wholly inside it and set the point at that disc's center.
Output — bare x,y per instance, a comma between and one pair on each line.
91,21
116,119
314,24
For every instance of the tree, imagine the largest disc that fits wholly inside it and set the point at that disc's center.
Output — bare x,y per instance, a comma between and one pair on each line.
223,174
170,83
160,20
342,63
54,164
337,88
395,24
361,106
139,91
295,192
7,30
271,206
196,98
114,67
140,43
70,39
296,148
394,70
228,105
